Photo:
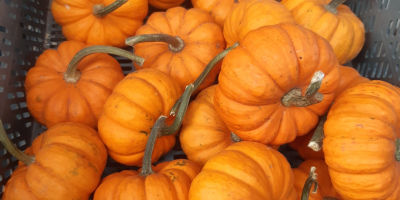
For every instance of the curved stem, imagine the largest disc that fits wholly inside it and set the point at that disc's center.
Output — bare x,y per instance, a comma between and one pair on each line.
176,44
398,149
8,144
235,138
311,96
312,179
316,140
205,73
100,11
72,75
333,5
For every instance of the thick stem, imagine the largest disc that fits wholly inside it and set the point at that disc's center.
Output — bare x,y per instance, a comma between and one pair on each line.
7,143
235,138
72,75
205,73
333,5
100,11
312,96
316,140
236,1
175,44
398,149
312,179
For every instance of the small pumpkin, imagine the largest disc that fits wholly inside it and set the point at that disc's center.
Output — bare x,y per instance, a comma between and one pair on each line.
245,170
190,40
349,77
333,21
130,112
261,83
362,144
100,22
68,163
165,4
219,9
62,87
325,188
253,14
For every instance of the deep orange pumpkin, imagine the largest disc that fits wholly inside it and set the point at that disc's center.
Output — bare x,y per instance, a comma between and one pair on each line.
130,112
349,77
52,100
271,63
68,163
219,9
336,23
165,4
253,14
361,143
199,41
81,20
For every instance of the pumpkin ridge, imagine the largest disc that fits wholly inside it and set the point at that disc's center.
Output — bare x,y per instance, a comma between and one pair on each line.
47,105
97,84
169,61
161,97
194,56
336,25
87,103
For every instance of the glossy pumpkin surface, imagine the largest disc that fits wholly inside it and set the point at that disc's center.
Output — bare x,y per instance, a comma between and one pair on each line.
219,9
165,4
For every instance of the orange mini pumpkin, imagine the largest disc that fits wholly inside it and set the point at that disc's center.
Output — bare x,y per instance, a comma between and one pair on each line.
253,14
349,77
333,21
165,4
68,163
259,95
219,9
57,93
99,22
194,40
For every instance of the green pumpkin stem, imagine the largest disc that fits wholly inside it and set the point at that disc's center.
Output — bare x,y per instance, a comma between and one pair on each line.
72,75
8,144
175,44
235,138
312,179
312,96
333,5
100,11
398,149
205,73
316,140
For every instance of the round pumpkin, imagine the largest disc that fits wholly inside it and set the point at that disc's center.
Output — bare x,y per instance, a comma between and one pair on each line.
349,77
244,170
99,22
300,144
194,40
270,65
51,99
253,14
361,143
68,163
333,21
219,9
165,4
131,111
325,188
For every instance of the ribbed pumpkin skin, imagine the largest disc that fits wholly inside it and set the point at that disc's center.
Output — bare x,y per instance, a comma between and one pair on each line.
269,62
349,77
300,144
244,170
219,9
165,4
131,111
325,187
344,31
359,144
203,41
68,165
253,14
51,100
171,181
78,22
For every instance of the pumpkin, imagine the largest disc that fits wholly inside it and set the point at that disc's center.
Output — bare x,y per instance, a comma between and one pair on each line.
259,95
300,144
244,170
62,89
68,163
349,77
190,40
333,21
130,111
253,14
361,143
100,22
219,9
325,189
165,4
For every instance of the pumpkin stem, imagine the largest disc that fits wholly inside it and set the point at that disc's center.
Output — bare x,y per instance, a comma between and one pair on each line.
398,149
316,140
312,180
72,75
235,138
175,44
312,96
8,144
205,73
100,11
236,1
333,5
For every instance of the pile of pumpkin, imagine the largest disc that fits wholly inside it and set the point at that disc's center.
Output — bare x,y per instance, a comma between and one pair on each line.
280,81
